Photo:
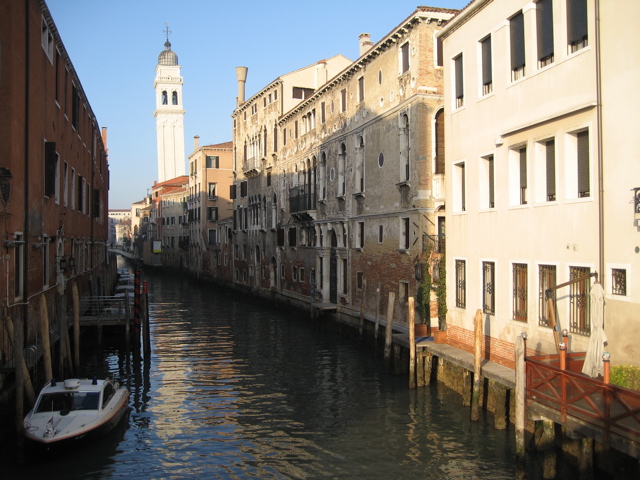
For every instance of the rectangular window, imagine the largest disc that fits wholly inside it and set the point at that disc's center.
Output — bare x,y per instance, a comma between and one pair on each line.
488,187
516,32
459,79
65,181
323,114
295,129
75,107
343,100
619,281
577,27
213,191
213,161
404,57
404,239
403,292
544,24
488,288
439,57
302,93
212,214
361,89
461,284
459,195
294,273
73,188
487,75
579,319
244,186
292,237
550,154
360,235
380,233
51,160
47,40
213,236
359,280
523,175
584,189
520,292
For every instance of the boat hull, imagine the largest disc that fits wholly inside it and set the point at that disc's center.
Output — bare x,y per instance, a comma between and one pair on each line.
80,429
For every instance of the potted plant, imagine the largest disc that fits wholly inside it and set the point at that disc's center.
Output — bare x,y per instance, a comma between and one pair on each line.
440,336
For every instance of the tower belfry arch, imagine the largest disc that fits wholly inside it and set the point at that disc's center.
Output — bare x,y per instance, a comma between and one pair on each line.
169,114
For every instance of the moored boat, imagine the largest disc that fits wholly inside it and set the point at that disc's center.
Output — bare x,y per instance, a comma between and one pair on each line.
75,410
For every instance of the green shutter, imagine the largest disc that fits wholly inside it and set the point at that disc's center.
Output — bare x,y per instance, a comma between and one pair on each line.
516,25
551,170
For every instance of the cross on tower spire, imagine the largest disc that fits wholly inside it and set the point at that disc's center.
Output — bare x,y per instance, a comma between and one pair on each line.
167,31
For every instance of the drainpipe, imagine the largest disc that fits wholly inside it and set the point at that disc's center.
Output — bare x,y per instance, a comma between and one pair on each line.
599,146
25,228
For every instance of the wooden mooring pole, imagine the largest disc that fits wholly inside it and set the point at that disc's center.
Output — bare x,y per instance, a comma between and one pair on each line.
477,367
389,330
520,399
145,319
44,334
412,343
377,319
364,294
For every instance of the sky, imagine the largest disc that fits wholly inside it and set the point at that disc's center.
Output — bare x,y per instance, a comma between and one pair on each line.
114,47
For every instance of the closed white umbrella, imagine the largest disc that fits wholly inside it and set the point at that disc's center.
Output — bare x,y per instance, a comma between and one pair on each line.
593,365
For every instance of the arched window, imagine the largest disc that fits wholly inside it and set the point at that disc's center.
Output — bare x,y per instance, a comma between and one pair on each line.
164,97
174,98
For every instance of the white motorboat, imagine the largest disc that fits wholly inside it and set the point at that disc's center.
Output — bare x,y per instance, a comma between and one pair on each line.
75,410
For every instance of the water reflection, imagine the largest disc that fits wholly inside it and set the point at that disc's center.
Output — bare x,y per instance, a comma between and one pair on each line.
237,390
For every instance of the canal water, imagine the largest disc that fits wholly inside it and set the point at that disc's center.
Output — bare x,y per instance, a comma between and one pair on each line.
235,389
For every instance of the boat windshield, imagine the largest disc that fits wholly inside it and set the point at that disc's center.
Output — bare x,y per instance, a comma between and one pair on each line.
56,402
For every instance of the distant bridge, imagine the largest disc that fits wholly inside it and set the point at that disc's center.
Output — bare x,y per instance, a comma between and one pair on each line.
118,251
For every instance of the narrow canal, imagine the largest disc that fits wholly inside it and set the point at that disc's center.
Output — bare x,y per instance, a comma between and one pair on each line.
237,390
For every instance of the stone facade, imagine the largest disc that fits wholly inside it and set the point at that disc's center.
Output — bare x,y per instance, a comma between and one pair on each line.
339,191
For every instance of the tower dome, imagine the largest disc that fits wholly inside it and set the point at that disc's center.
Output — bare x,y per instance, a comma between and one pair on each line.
167,56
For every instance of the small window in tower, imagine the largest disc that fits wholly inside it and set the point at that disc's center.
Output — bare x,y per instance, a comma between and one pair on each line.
174,98
164,97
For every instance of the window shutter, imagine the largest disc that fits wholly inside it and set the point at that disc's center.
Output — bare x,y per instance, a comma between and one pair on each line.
439,58
232,192
517,41
551,170
486,61
459,78
491,184
576,20
583,164
523,168
544,15
50,169
243,188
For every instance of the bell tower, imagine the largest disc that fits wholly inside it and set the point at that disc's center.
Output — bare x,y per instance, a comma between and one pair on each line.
169,114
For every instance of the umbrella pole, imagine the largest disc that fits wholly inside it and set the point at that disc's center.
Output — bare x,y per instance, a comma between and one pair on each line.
553,324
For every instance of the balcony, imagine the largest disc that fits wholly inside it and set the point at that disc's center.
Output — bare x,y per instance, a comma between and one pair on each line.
302,203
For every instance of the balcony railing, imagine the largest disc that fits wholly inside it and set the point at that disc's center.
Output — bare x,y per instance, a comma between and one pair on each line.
301,201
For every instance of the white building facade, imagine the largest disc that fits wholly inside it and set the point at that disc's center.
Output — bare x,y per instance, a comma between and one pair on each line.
540,175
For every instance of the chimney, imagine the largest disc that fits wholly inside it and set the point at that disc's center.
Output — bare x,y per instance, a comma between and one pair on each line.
241,73
196,142
321,73
365,43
